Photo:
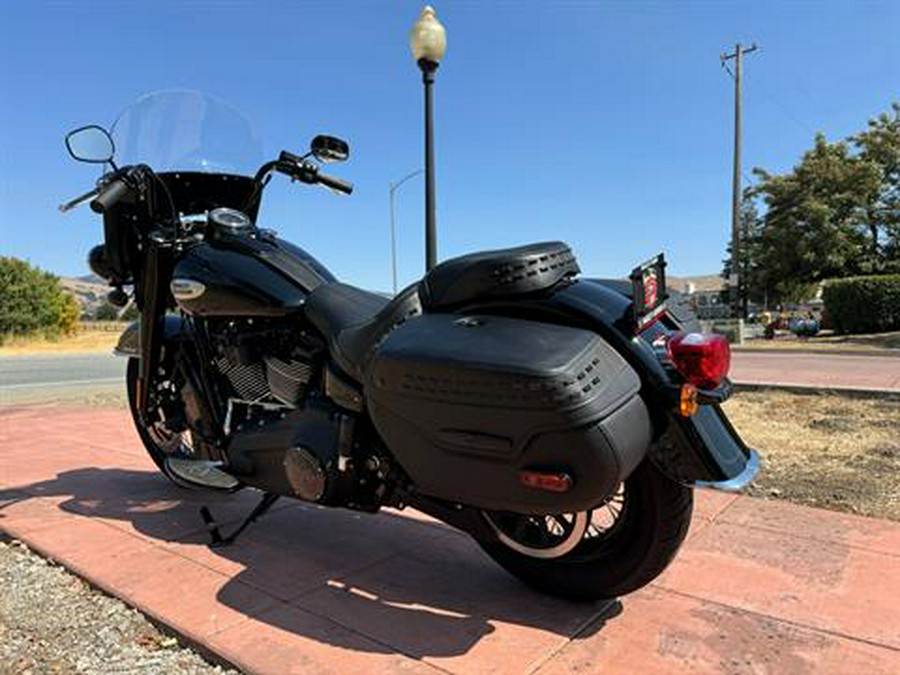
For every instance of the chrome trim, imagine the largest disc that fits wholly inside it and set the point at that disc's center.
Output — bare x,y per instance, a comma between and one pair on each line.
186,289
129,343
579,527
226,425
739,482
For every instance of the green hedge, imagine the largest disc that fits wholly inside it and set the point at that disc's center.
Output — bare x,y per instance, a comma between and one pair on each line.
864,304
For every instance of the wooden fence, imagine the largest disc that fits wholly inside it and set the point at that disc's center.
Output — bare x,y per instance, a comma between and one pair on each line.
103,326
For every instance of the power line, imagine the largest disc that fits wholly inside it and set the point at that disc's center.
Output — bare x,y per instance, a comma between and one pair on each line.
765,91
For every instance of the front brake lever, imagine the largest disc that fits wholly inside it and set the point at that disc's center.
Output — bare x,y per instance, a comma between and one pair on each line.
78,201
297,168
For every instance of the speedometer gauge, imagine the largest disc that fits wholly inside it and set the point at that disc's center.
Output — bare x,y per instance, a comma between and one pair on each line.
230,222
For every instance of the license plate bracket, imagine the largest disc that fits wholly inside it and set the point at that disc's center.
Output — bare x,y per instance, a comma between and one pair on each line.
648,285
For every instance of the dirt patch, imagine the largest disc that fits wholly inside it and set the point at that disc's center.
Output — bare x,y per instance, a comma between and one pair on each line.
824,450
82,341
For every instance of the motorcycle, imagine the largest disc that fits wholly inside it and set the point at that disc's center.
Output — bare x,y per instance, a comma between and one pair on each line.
561,421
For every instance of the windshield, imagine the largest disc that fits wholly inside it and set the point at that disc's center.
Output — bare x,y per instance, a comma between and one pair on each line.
186,131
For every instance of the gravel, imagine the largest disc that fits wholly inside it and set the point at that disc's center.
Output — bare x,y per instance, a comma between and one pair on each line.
53,622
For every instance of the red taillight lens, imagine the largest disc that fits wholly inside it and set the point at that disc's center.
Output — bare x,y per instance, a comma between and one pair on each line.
551,482
702,358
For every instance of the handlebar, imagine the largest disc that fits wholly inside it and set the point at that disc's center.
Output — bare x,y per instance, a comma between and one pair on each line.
299,168
336,184
109,195
72,203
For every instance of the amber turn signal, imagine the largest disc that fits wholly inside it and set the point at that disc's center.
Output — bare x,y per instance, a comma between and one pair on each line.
688,404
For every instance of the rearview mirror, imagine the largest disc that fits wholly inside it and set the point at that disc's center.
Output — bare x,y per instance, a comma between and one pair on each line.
329,149
91,144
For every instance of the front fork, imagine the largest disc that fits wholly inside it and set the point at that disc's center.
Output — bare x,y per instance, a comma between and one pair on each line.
152,294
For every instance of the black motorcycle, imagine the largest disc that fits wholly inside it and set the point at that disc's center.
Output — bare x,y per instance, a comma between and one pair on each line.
560,421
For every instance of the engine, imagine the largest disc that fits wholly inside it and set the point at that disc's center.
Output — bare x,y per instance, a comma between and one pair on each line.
270,362
284,438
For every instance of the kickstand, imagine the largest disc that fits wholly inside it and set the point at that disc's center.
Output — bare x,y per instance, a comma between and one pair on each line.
217,539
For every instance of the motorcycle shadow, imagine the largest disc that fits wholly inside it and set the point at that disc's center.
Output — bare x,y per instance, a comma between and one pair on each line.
398,582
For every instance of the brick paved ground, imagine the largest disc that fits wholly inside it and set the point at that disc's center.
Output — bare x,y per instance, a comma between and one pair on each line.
760,587
844,371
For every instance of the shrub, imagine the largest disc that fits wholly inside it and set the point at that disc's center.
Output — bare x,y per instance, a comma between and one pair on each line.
864,304
106,312
32,301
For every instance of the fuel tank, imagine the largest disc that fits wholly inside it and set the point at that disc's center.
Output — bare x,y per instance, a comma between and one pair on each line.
245,277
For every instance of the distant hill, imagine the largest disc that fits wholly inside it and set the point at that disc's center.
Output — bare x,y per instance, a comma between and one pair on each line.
705,282
91,279
90,291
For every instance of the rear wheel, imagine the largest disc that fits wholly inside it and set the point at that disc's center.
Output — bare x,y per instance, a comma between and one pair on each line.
609,551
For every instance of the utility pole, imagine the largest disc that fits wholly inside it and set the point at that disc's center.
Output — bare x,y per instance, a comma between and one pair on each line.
735,281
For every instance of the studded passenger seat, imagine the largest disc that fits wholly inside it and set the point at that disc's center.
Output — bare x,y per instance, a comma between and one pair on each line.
496,274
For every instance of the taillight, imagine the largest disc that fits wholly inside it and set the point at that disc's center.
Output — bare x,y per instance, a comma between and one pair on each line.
702,359
543,480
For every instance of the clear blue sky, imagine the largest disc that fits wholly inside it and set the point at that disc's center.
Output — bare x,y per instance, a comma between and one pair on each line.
605,124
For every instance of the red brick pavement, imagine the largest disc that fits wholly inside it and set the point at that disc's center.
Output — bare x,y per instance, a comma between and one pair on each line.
828,371
760,587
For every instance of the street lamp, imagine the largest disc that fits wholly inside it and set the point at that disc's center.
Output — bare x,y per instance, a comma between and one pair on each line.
394,187
428,42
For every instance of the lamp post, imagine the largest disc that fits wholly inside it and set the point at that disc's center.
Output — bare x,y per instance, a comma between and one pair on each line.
428,42
394,187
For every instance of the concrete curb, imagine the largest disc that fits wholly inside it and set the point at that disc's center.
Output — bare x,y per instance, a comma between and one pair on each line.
851,392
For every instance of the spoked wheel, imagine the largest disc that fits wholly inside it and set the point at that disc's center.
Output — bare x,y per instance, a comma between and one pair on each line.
542,537
166,446
614,549
552,536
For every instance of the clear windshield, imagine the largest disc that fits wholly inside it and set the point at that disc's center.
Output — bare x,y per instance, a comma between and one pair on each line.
186,131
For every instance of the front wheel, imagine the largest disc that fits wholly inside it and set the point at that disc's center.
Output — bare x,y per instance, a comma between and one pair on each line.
161,441
612,550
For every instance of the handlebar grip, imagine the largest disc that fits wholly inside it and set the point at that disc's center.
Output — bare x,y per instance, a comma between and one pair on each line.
336,184
109,195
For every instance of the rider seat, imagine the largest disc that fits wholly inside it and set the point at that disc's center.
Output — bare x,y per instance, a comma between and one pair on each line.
354,321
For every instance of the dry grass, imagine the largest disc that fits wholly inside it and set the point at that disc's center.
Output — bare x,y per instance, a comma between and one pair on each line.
824,450
82,341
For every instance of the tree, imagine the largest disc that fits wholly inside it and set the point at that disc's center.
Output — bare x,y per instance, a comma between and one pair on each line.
106,312
131,313
879,145
753,278
835,214
109,312
32,301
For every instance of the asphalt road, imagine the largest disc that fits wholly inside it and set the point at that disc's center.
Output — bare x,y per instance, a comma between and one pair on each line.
17,372
33,379
50,374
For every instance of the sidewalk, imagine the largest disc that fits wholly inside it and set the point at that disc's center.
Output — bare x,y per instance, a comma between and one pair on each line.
760,587
816,370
